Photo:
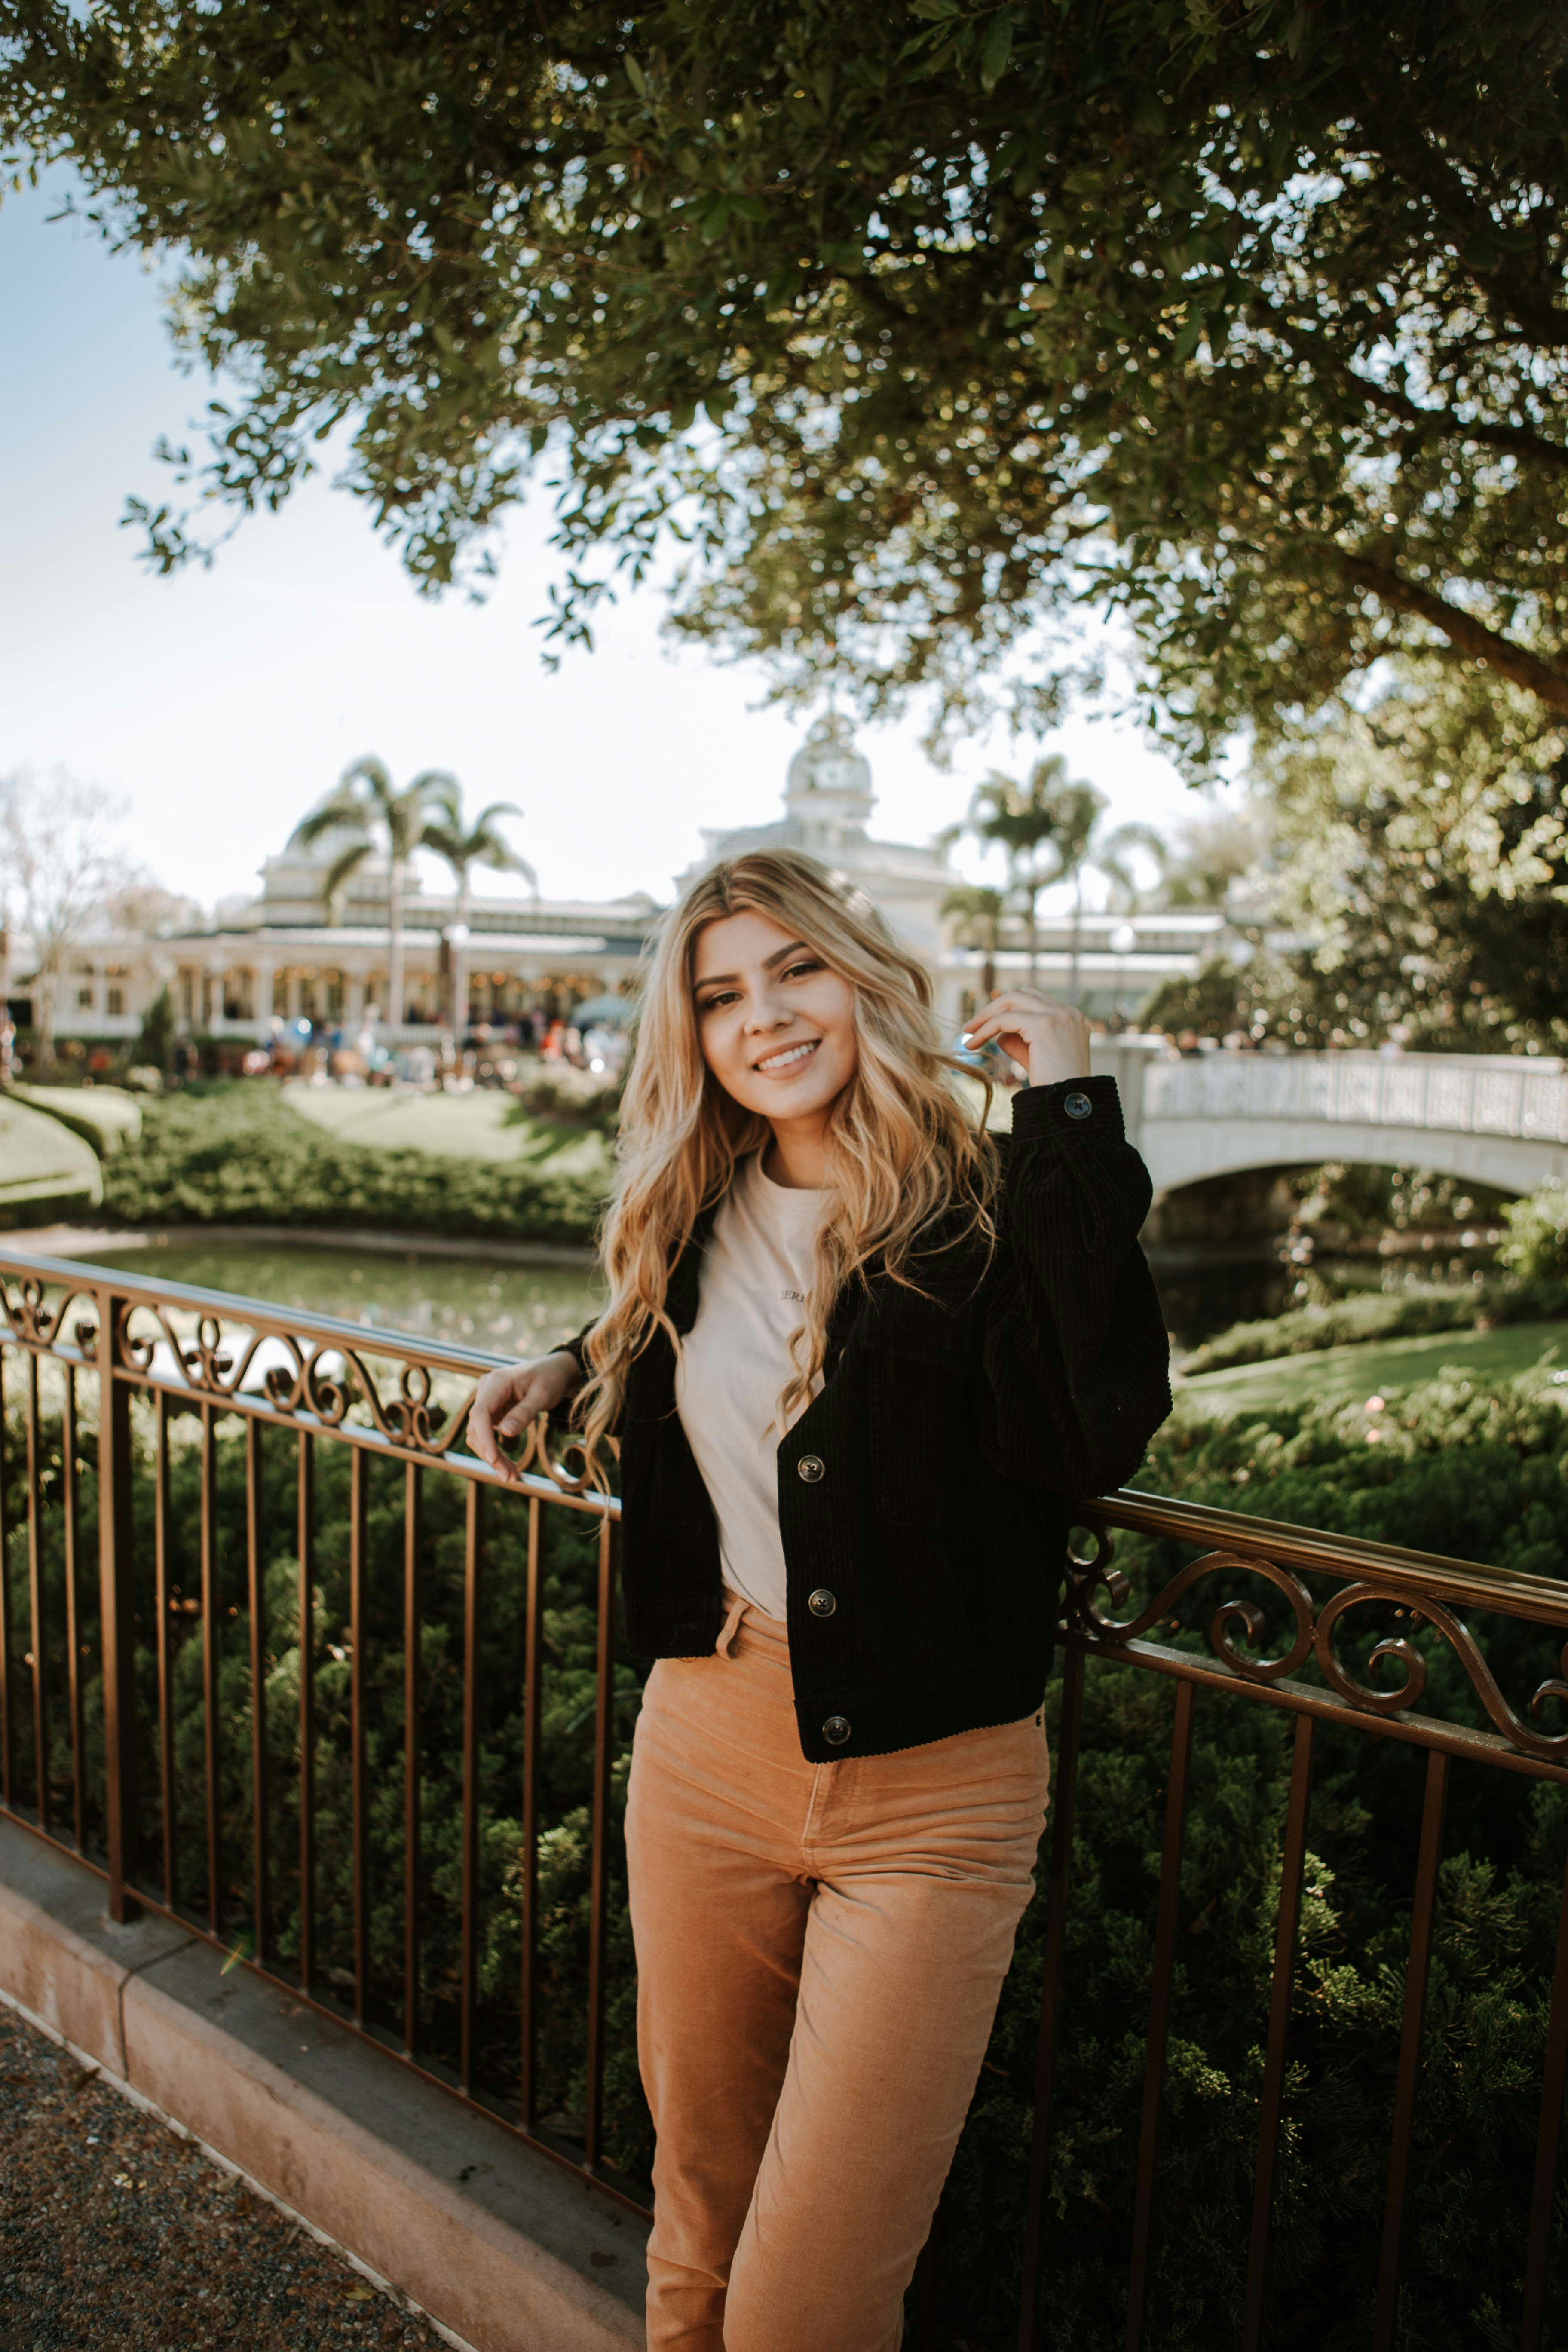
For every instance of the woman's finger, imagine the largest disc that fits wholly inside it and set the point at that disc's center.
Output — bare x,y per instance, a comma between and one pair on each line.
481,1438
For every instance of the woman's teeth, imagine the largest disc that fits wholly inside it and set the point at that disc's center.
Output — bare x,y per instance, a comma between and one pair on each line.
788,1060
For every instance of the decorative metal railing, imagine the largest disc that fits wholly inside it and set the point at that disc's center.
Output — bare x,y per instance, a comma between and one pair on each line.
284,1664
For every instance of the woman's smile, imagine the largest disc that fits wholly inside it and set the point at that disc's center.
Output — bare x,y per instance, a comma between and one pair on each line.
787,1060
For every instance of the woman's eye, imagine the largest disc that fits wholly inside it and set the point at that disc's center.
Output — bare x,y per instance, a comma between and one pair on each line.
711,1004
802,970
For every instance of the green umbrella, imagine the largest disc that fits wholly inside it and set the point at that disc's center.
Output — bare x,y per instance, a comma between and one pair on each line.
616,1011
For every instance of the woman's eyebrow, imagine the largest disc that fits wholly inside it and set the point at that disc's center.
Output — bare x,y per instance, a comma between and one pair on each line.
729,978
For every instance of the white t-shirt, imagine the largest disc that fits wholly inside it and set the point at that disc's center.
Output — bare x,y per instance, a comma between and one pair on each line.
734,1361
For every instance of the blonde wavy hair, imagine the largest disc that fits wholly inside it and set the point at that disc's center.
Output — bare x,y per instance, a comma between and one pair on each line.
909,1166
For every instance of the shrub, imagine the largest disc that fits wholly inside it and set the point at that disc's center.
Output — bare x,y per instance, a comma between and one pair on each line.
235,1154
1537,1243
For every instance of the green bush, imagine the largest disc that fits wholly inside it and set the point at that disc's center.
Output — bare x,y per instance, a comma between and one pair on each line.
1380,1315
1537,1243
234,1153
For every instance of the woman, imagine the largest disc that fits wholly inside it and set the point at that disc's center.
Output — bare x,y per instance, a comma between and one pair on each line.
861,1356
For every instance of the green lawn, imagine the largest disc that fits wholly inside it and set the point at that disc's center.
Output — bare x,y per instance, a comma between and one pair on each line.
1378,1368
484,1125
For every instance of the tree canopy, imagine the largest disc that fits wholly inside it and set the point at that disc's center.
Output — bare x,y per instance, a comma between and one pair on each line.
914,326
1417,879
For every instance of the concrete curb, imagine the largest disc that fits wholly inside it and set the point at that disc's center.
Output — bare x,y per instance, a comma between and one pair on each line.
502,2251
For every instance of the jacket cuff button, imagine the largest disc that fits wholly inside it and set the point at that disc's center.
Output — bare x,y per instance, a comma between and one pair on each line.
1077,1107
822,1603
810,1468
836,1730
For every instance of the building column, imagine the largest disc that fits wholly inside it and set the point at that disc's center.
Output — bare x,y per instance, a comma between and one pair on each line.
261,971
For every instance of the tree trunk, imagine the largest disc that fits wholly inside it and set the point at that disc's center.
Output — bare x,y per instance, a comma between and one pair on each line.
1072,953
1034,932
44,1017
457,1013
395,1008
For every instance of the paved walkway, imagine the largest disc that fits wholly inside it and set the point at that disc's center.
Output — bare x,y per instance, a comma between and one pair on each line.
116,2234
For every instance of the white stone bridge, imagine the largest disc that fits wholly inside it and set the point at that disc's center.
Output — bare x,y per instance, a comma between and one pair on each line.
1498,1120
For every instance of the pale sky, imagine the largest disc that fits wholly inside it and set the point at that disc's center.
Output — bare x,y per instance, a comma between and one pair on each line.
223,703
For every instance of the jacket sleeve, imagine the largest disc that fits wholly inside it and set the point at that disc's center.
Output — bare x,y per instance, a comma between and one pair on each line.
1077,1355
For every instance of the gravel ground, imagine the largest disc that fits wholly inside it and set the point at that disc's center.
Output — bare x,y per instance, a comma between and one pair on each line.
115,2233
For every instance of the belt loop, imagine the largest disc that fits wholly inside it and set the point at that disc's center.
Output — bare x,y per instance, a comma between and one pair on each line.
731,1625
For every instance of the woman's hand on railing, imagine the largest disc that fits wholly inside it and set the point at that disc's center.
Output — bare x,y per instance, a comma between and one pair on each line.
506,1401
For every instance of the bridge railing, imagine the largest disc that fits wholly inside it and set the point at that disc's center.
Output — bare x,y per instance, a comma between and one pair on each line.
283,1662
1500,1095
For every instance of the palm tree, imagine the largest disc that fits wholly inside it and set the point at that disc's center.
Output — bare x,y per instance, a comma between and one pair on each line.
1049,828
1019,819
978,910
465,845
376,820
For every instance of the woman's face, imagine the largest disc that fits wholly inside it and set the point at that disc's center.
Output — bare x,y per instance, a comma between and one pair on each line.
777,1026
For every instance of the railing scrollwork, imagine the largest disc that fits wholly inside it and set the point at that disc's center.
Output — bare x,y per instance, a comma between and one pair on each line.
1236,1627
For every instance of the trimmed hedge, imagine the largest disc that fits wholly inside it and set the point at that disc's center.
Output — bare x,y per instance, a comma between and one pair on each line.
235,1154
1380,1315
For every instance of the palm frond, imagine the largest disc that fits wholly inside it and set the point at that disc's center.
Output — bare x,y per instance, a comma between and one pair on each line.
347,862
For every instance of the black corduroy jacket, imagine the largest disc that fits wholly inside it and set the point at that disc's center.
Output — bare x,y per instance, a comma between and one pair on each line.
926,1492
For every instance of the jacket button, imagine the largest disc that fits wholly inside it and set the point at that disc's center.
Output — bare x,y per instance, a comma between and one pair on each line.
811,1467
1077,1107
836,1730
822,1603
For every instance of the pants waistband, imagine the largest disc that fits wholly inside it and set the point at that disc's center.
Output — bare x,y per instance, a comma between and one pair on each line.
750,1631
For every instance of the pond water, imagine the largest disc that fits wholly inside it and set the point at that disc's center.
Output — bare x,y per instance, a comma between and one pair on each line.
519,1310
514,1310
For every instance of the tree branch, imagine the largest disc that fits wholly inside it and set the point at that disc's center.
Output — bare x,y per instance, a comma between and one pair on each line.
1464,632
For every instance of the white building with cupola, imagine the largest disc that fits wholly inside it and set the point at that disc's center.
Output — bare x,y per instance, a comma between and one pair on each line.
283,955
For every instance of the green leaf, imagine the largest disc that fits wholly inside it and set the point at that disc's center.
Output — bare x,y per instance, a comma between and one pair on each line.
716,220
998,50
637,77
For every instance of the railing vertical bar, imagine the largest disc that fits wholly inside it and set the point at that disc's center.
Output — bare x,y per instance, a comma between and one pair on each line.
37,1630
70,1439
1555,2073
307,1610
256,1605
599,1867
412,1645
116,1606
528,2018
1159,2019
469,1959
162,1536
1288,1921
359,1470
7,1719
211,1634
1064,1800
1417,1966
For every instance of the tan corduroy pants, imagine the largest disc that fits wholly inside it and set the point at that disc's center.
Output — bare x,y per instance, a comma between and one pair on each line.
820,1949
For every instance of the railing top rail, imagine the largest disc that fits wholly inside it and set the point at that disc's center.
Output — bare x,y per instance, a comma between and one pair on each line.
267,1314
1470,1581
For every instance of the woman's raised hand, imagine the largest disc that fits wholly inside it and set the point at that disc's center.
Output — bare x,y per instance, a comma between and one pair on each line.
1049,1040
506,1401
